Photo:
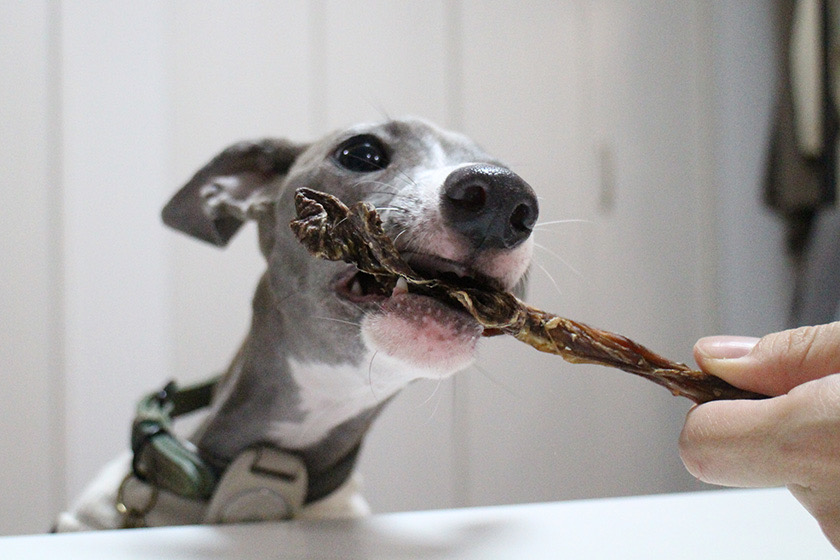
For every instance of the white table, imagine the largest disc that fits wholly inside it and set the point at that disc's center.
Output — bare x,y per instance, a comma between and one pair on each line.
726,524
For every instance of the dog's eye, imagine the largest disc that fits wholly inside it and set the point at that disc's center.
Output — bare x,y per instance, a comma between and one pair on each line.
362,154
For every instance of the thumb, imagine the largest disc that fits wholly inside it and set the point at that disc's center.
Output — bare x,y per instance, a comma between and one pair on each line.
774,364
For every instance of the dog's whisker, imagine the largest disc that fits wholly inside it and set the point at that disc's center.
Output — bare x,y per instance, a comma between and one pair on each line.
334,320
401,176
431,396
407,179
405,230
437,401
563,222
391,209
381,191
370,375
391,189
504,386
550,277
395,195
563,261
359,308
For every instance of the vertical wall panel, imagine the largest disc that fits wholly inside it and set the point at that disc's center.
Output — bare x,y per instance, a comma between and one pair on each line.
29,283
650,107
236,71
382,59
541,429
115,152
645,108
755,283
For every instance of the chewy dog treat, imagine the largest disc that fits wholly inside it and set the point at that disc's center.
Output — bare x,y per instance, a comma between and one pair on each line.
330,230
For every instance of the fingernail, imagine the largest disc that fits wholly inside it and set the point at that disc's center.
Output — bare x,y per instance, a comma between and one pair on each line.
725,347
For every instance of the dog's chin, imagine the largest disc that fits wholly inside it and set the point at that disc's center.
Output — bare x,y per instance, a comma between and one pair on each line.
424,334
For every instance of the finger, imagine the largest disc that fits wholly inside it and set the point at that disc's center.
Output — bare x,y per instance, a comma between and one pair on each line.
776,363
791,439
732,443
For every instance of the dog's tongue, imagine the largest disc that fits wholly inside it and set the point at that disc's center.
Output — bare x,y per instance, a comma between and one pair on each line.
331,230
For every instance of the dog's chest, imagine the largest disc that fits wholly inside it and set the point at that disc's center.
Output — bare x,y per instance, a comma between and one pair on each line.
330,394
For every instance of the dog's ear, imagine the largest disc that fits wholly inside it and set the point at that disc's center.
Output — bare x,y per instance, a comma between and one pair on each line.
231,189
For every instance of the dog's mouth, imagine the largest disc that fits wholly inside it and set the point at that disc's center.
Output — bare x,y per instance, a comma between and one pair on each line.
363,288
413,322
406,298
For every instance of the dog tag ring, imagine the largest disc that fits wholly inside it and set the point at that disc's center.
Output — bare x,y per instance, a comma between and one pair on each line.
135,517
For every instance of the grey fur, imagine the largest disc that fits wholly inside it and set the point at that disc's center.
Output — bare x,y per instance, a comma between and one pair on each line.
296,312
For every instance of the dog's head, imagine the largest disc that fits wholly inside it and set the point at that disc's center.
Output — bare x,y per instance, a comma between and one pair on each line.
450,208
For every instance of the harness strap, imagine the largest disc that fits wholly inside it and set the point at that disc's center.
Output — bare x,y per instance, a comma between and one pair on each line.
166,462
160,458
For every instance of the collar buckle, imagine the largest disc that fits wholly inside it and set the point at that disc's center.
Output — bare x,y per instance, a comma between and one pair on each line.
262,484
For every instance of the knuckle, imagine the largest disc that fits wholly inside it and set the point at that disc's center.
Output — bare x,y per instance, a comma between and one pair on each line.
798,344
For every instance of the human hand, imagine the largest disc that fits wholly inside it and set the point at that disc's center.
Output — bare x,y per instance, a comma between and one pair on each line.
792,439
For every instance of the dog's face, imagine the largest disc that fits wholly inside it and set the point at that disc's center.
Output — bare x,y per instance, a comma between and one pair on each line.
449,207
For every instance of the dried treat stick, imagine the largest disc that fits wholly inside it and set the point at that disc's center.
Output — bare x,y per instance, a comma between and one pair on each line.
330,230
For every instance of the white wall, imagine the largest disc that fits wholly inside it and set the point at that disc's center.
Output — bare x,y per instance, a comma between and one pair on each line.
754,280
611,119
31,435
115,169
605,84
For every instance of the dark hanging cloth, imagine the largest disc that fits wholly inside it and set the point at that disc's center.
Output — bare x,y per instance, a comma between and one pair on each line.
801,181
802,167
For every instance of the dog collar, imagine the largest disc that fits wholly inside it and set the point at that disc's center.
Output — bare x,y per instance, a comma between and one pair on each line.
263,478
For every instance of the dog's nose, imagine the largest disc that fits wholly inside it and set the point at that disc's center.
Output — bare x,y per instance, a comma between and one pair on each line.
490,205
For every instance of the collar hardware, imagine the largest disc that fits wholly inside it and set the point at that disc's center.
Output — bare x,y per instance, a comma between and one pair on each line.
262,483
160,458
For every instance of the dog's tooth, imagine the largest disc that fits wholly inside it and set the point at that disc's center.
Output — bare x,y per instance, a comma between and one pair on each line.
356,288
401,287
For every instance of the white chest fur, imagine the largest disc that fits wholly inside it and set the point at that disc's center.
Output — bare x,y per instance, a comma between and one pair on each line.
332,394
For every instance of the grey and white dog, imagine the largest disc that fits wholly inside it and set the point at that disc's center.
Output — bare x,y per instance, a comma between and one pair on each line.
327,349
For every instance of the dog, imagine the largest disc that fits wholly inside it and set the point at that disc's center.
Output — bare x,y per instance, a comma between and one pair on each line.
326,349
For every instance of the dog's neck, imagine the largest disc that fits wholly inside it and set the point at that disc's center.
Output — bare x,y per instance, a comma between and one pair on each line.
271,396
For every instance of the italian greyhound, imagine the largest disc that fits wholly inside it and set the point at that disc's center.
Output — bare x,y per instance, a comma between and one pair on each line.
327,349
